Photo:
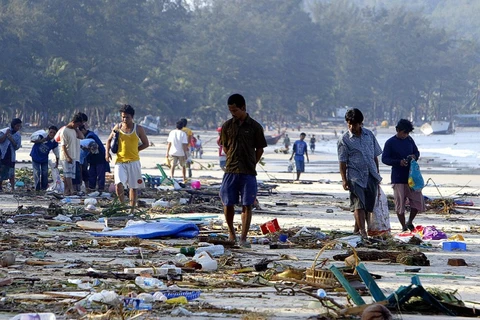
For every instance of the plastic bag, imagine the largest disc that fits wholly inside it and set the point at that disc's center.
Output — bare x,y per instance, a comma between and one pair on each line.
415,179
291,166
114,145
57,185
432,233
379,220
39,134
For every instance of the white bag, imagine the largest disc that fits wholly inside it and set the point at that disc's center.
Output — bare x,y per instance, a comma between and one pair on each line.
57,184
379,219
291,166
39,134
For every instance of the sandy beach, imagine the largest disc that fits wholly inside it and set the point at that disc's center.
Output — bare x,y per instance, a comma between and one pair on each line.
451,170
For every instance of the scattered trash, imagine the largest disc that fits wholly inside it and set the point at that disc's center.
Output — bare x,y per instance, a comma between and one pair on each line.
457,262
207,262
214,250
454,245
7,259
271,226
35,316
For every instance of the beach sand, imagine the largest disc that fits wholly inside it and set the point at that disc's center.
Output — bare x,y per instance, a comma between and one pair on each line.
310,204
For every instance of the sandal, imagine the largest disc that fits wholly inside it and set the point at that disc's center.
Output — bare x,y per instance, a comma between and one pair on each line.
245,244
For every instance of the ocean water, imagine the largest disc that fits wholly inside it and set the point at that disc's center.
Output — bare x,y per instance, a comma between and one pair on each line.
458,152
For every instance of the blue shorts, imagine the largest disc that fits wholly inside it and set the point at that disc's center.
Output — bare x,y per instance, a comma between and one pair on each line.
235,184
300,164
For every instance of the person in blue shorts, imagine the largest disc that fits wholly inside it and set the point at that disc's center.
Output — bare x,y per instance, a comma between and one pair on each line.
299,150
243,141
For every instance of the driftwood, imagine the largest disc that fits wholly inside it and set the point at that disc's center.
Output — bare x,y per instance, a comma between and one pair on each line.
370,255
407,258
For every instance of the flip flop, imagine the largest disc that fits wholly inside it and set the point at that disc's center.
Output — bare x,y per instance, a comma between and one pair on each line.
245,244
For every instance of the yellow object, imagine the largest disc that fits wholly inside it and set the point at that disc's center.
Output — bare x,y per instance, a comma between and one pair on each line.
457,237
411,183
384,124
177,300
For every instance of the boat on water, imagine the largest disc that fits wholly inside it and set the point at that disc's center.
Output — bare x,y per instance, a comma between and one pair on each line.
272,140
151,124
437,127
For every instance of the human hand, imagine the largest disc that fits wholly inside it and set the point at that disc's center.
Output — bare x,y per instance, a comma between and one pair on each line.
345,185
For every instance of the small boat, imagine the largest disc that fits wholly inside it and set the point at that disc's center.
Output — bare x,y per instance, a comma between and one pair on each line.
272,140
151,124
437,127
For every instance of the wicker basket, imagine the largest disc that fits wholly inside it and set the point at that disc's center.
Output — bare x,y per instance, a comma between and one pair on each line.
317,275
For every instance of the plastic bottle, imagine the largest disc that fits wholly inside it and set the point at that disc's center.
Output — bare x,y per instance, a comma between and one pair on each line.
321,293
215,250
188,251
145,282
35,316
181,258
159,296
105,296
208,264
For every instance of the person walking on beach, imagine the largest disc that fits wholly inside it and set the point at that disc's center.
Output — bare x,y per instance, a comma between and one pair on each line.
70,152
222,157
313,140
358,152
39,153
10,142
243,141
128,169
286,142
299,150
191,149
177,150
198,148
398,151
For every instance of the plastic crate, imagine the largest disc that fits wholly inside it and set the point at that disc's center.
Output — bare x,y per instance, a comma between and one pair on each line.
190,295
454,245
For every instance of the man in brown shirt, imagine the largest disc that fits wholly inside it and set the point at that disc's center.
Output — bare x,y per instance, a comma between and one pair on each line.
243,140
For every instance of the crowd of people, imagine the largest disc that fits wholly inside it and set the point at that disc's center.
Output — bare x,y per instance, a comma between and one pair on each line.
241,140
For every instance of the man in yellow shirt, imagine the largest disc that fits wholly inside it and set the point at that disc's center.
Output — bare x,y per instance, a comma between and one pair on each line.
128,170
189,138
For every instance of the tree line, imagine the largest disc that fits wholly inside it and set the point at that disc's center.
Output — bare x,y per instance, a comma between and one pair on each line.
293,60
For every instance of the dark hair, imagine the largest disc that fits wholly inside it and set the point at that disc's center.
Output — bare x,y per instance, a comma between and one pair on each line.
184,121
303,134
126,108
14,122
53,128
404,125
236,99
354,116
82,127
84,116
77,117
179,125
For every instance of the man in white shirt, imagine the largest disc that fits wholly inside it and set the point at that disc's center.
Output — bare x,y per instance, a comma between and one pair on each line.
177,150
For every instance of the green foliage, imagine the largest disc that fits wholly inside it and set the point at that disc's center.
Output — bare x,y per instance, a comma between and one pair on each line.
173,58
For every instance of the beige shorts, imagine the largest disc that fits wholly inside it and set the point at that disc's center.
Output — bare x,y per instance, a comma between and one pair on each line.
174,160
403,195
129,174
69,169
